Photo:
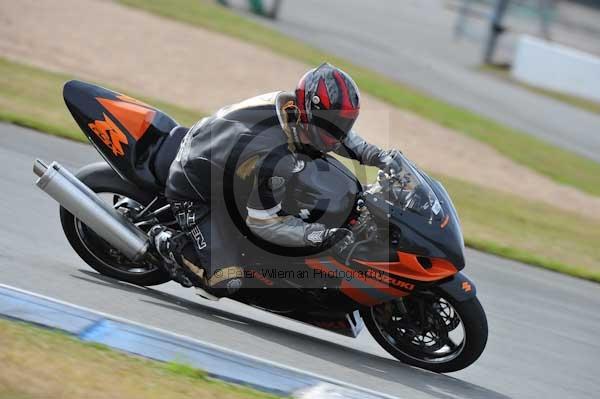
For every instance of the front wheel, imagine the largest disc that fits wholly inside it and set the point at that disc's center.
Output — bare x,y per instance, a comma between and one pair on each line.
429,330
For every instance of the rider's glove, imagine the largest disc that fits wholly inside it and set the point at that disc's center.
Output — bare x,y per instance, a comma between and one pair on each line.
389,161
319,236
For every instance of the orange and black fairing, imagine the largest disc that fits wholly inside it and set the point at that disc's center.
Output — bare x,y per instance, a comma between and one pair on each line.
419,243
371,282
126,131
432,237
412,268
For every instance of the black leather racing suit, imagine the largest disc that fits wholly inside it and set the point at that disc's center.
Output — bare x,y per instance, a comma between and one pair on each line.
242,157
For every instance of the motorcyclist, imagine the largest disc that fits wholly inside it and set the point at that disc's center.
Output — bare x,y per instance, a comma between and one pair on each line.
250,150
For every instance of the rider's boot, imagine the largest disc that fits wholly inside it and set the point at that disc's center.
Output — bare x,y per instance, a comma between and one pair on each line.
165,245
181,260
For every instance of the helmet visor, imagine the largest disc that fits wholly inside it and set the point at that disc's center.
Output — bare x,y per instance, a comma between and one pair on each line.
322,140
332,122
328,129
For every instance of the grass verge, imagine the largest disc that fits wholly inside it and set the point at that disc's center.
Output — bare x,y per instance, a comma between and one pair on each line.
493,221
32,97
526,231
503,72
562,166
41,363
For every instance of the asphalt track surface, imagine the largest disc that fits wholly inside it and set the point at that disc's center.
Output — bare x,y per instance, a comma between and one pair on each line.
543,326
412,41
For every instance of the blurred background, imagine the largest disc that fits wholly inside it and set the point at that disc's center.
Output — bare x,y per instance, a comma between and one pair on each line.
499,99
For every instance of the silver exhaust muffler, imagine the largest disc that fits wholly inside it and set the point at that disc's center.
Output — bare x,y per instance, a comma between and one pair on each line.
86,206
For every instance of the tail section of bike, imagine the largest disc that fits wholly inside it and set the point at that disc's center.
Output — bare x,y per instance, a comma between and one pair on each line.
125,131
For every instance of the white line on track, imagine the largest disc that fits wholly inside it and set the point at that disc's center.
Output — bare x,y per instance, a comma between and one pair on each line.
228,319
373,368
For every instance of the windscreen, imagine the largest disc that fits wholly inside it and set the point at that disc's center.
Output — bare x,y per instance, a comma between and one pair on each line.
410,192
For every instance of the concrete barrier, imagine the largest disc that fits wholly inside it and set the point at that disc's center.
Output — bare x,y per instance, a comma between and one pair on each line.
556,67
267,8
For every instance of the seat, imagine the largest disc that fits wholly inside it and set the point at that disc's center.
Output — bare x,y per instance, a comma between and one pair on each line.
167,153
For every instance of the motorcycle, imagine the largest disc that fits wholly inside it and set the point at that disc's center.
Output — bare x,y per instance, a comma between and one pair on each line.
401,278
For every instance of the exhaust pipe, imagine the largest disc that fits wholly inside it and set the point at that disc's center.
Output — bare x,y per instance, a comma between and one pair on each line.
82,202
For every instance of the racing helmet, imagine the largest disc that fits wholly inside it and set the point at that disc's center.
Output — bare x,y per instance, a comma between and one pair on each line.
329,102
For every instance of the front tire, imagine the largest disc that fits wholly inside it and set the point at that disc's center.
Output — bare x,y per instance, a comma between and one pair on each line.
412,348
96,252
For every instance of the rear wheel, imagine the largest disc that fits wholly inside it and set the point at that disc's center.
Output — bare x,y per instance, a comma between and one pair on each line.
98,253
430,331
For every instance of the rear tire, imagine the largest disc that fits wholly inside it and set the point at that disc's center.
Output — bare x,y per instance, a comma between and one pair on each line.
475,327
102,179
